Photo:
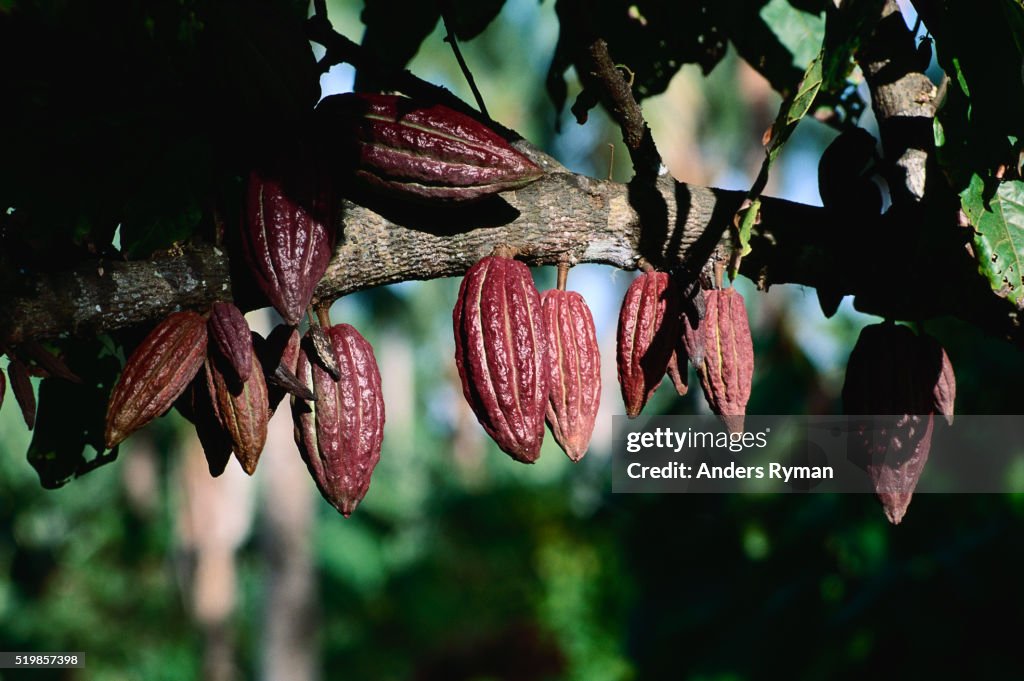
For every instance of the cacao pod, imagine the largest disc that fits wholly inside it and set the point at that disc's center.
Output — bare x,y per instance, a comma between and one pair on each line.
727,372
231,337
419,151
289,237
156,374
242,408
896,380
501,354
340,434
21,386
574,381
647,334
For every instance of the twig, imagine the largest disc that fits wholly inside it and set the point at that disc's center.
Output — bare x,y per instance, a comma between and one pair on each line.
451,40
618,98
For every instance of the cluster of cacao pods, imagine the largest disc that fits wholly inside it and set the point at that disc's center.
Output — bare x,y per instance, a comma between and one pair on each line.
898,381
660,330
525,359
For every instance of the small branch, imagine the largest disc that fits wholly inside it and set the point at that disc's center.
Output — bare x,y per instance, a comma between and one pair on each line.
453,41
904,102
617,95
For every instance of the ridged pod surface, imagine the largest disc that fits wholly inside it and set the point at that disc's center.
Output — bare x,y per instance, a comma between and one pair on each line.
647,334
242,408
897,381
159,370
574,361
501,354
341,433
426,152
727,372
288,237
231,337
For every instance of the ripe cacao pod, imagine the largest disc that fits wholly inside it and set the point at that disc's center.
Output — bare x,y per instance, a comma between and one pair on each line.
289,236
647,334
196,405
21,386
727,371
419,151
574,381
340,434
501,354
159,371
896,380
242,408
231,337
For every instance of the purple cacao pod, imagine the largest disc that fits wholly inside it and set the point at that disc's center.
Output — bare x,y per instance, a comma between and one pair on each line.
231,337
340,434
647,334
425,152
574,381
288,237
501,354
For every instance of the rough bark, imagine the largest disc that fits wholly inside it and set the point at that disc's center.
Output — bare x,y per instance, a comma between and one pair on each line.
589,220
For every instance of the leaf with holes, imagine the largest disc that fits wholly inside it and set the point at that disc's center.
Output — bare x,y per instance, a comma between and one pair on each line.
998,220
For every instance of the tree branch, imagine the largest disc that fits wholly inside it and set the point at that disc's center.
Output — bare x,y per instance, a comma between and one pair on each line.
563,214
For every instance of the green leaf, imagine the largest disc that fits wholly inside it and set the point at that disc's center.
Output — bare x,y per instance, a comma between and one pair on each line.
998,220
800,32
747,224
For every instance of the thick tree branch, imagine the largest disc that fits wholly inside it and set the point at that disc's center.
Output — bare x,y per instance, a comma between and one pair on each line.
561,214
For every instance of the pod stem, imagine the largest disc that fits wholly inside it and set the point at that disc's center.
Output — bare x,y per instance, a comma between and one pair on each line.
563,274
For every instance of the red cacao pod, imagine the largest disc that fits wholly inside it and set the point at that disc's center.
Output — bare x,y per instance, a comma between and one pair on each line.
501,354
231,338
897,380
341,433
574,381
727,372
419,151
156,374
647,334
196,405
21,386
289,236
242,408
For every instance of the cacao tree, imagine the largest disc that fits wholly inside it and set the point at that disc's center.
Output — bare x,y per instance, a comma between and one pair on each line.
170,165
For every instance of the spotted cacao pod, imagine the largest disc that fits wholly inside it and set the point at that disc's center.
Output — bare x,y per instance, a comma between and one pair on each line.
574,361
341,433
418,151
895,382
156,374
501,354
647,334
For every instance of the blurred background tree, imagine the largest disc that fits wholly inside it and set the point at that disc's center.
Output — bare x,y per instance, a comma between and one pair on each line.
460,564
